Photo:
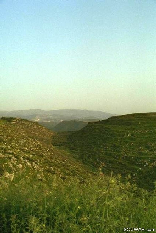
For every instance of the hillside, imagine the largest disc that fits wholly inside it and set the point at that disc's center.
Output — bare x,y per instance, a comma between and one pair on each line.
122,144
25,144
45,189
69,126
49,124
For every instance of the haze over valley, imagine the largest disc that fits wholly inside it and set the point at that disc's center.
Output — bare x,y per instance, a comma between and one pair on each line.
66,119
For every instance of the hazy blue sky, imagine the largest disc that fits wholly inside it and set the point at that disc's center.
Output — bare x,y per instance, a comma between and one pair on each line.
86,54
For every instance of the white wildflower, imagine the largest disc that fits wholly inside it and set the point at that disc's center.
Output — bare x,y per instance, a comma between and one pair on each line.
20,166
9,176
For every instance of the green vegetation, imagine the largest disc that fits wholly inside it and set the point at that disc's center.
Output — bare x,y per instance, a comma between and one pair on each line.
104,204
45,189
62,126
69,126
26,144
49,125
122,144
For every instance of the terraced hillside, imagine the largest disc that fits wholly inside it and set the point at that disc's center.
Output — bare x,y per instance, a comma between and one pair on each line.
25,144
122,144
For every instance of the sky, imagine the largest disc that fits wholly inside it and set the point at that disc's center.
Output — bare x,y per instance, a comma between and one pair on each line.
80,54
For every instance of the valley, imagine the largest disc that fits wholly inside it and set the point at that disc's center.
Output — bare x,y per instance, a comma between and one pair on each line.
78,181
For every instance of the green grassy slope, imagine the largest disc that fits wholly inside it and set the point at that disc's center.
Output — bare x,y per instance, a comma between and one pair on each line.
122,144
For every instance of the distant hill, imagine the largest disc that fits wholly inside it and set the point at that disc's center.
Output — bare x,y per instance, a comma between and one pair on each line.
61,126
69,126
49,124
56,115
122,144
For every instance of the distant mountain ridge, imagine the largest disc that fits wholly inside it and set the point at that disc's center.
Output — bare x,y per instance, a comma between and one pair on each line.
62,114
